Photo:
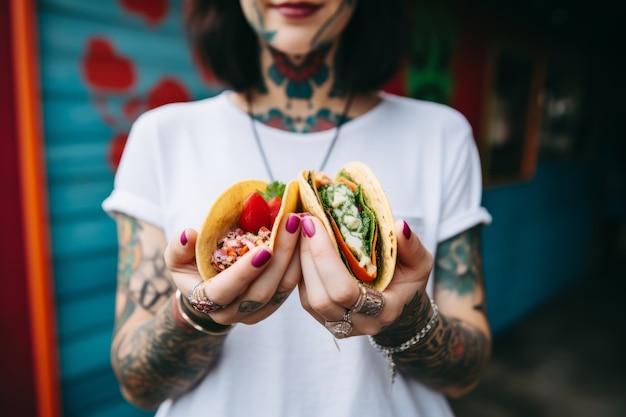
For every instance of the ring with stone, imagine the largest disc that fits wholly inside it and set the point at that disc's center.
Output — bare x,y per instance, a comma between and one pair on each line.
200,302
342,328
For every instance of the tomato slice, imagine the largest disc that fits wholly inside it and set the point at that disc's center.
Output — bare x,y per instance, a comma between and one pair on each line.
359,272
274,205
255,213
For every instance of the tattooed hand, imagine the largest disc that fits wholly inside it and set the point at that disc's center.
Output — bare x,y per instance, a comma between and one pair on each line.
253,287
328,289
456,350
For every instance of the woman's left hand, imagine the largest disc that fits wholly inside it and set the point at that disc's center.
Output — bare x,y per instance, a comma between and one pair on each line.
328,291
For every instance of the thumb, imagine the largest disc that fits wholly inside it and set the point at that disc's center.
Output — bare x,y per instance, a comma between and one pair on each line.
181,251
412,254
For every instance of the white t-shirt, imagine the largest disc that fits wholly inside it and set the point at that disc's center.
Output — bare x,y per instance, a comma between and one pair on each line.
180,157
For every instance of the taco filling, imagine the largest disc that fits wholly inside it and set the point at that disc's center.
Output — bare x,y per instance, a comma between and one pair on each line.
237,243
353,223
254,228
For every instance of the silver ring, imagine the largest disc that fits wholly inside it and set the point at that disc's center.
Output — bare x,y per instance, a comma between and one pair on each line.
341,328
200,302
369,303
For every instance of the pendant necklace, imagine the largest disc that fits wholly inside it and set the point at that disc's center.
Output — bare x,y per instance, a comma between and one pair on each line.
342,119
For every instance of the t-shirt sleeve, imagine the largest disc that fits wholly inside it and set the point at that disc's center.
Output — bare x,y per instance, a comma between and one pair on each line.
136,185
462,183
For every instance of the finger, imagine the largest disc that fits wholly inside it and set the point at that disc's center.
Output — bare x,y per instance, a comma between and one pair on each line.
290,280
253,282
180,256
412,271
331,288
332,272
317,300
328,290
412,254
281,275
303,292
181,250
234,281
293,274
313,297
285,245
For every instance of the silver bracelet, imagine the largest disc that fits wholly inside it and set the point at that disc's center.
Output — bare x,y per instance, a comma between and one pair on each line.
192,323
388,351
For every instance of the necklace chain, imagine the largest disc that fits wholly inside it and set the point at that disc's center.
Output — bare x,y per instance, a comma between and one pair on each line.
341,121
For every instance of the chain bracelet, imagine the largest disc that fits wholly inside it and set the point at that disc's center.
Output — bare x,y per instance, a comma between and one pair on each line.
388,351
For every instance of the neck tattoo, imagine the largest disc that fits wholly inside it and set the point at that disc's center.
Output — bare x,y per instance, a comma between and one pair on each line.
300,78
341,120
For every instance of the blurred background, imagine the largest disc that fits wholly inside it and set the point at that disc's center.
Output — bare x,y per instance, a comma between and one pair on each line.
541,82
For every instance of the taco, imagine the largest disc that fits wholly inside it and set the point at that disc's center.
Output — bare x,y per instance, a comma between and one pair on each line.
242,217
357,215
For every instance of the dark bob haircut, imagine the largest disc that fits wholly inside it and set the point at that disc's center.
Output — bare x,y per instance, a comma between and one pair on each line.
372,47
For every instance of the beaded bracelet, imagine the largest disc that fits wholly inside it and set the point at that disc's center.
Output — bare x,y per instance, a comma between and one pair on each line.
388,351
216,330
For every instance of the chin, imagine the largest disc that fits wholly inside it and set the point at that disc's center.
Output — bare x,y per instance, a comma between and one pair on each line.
288,49
292,43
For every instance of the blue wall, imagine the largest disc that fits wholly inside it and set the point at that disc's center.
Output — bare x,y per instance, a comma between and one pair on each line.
540,240
82,119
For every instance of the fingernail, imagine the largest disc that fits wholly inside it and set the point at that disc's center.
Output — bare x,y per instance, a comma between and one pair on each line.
293,221
183,238
261,258
308,228
406,231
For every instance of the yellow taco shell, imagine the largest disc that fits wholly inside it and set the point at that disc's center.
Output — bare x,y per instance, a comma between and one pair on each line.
223,216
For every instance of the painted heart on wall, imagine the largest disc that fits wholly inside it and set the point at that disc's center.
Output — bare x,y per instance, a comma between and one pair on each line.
153,11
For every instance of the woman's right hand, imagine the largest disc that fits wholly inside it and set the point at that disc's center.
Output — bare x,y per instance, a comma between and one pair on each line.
254,286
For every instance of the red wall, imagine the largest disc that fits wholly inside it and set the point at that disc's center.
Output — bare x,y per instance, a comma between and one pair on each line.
18,394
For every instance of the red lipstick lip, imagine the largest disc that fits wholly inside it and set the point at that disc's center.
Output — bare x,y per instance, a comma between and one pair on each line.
297,10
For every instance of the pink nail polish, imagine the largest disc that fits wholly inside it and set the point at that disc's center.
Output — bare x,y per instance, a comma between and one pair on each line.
308,228
261,258
183,238
406,231
293,221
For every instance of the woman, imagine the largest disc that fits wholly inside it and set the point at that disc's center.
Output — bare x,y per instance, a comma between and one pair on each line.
304,82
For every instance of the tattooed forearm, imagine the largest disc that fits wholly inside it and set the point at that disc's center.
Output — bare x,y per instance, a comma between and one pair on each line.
453,354
414,316
129,254
156,286
143,278
155,354
458,267
163,358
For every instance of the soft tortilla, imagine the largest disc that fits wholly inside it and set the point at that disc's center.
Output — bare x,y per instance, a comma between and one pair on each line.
224,217
376,198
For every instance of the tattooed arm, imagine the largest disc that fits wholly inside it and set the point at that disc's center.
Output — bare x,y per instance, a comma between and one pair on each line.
155,354
454,353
